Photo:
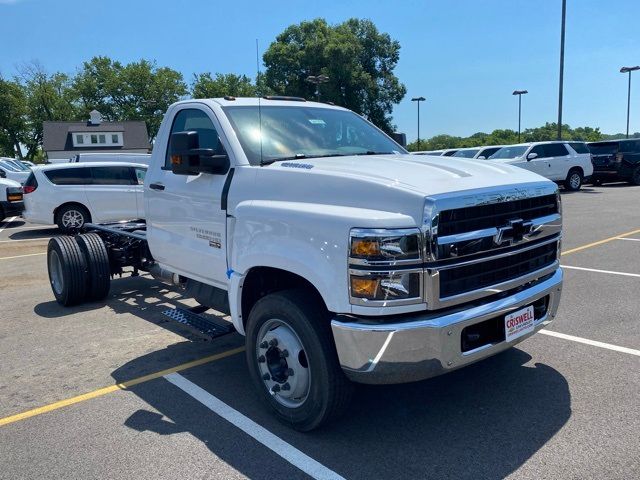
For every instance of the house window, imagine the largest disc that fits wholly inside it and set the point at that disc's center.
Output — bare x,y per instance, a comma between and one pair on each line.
94,138
80,139
103,139
114,138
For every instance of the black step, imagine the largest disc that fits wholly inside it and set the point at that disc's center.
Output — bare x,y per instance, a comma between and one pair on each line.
208,326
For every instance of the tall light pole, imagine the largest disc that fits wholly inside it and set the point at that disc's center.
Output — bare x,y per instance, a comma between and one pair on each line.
317,80
564,16
629,70
418,100
519,93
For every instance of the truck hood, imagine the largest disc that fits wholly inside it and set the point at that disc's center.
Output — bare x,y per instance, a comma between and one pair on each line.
426,175
396,184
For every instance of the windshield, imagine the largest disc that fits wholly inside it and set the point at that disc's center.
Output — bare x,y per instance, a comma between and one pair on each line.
9,166
603,148
305,132
466,153
509,152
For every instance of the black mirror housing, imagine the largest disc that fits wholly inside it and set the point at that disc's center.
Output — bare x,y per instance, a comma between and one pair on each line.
187,158
2,174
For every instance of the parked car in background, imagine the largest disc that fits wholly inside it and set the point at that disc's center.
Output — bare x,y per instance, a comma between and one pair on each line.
71,195
563,162
11,171
438,153
11,203
467,152
111,157
615,160
486,152
27,163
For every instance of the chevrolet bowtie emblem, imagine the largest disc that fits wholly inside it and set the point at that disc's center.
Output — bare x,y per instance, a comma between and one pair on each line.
512,233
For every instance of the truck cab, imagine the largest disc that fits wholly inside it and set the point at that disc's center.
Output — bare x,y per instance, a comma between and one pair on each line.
338,255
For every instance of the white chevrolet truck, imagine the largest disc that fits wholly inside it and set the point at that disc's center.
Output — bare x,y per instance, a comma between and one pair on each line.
337,255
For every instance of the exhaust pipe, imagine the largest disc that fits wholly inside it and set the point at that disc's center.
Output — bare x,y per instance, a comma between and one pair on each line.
166,276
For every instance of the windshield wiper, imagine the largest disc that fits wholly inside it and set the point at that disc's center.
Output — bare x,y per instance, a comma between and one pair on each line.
370,152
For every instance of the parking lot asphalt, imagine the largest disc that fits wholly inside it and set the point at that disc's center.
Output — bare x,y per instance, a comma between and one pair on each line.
550,408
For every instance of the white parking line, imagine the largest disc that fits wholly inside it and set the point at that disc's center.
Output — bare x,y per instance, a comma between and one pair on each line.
251,428
7,223
21,256
602,271
629,239
593,343
25,240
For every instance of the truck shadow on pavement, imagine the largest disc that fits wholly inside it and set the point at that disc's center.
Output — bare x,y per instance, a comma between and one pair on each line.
484,421
36,233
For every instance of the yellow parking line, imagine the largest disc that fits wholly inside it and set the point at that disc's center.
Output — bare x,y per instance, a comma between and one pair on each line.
599,242
113,388
22,256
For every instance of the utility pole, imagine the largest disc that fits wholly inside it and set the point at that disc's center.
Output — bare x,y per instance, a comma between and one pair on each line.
519,93
629,70
564,16
418,100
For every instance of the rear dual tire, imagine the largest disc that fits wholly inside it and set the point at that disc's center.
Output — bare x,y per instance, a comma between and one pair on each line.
78,269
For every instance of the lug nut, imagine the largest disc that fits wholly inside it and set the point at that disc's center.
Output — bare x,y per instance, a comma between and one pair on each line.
264,344
286,386
290,372
266,376
284,354
273,342
275,388
261,359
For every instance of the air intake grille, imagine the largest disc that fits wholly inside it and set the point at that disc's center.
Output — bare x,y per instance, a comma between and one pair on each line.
458,280
468,219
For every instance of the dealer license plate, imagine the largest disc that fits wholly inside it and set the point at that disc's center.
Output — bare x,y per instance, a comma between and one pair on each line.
518,323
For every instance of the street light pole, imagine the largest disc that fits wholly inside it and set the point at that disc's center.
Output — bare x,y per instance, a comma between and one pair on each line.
629,70
519,93
418,100
564,16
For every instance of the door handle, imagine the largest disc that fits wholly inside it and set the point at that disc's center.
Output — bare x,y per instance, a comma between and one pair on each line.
156,186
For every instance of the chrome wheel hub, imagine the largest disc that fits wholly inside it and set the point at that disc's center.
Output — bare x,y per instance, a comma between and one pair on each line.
282,363
72,219
574,181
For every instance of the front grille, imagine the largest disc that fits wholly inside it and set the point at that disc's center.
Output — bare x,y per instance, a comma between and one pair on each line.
467,278
468,219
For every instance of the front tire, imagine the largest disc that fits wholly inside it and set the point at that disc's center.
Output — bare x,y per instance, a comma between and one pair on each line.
72,218
293,361
574,180
67,271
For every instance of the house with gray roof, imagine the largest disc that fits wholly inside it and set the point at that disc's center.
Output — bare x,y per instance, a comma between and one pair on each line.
63,140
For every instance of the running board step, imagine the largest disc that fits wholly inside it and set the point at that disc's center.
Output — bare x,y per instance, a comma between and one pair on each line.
208,326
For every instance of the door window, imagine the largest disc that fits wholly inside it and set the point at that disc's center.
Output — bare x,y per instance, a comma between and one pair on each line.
540,150
68,176
191,119
555,150
113,176
140,173
580,147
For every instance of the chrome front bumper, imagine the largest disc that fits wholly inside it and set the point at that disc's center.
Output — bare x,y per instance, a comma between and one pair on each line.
425,345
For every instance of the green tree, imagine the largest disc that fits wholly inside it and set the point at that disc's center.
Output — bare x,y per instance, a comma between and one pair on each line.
136,91
204,85
358,59
13,114
48,97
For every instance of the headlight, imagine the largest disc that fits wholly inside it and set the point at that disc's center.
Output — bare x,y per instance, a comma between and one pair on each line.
398,274
385,247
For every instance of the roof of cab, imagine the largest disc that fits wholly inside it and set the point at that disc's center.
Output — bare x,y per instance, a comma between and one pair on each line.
262,101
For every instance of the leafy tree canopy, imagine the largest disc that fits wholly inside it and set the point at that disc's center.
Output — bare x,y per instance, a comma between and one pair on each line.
357,59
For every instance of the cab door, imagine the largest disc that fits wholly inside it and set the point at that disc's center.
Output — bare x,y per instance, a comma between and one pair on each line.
560,161
539,164
185,222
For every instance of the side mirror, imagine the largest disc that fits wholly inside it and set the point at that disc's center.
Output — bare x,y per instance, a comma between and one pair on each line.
3,174
531,156
481,157
187,158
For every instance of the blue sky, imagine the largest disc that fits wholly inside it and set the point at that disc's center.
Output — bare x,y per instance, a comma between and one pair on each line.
464,56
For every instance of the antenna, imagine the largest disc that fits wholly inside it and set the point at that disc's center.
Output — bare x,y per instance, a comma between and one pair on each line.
259,98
